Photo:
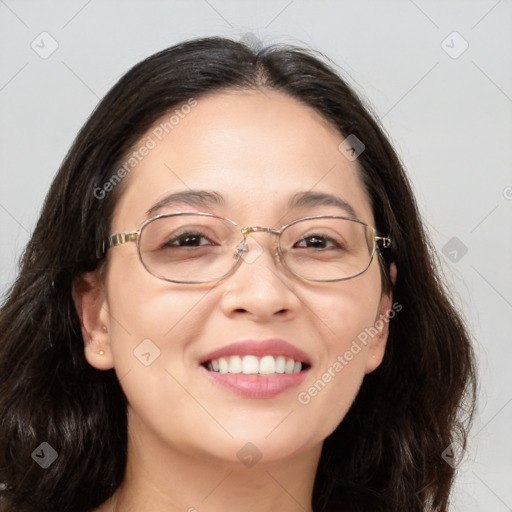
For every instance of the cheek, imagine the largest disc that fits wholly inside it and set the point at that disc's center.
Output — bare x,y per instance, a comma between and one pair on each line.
347,324
348,310
138,301
152,325
148,315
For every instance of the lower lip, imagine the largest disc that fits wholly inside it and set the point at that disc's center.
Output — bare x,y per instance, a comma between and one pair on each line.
257,386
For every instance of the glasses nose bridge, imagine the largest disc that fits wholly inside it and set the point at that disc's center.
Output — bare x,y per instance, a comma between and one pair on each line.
255,229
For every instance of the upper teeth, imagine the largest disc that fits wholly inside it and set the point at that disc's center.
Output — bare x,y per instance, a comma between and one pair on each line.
251,365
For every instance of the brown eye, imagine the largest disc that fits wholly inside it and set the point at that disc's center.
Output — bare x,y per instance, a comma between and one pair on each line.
187,239
318,242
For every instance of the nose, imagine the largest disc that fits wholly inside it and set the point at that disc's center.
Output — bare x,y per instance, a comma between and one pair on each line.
261,287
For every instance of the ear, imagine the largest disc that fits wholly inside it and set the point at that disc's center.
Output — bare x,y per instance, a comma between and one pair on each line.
92,308
380,328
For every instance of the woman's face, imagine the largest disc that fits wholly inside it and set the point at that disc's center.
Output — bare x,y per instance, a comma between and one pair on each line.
257,150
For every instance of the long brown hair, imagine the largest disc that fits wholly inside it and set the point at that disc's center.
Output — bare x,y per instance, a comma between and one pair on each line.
386,455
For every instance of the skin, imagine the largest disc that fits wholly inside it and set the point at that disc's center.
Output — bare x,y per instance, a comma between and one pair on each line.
257,148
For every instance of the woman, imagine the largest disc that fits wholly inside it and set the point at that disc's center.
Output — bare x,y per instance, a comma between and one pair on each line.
229,303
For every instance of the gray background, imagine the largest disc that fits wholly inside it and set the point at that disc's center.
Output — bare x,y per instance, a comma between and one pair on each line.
449,118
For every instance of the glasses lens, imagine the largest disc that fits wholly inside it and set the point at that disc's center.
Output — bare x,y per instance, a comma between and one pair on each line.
189,247
327,248
200,248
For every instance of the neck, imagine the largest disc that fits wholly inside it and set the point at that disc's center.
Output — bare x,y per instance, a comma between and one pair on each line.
163,478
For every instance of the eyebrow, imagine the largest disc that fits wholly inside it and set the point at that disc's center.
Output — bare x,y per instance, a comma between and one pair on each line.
209,198
195,198
310,199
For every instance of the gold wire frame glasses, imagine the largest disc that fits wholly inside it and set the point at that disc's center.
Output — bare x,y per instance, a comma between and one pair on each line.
339,247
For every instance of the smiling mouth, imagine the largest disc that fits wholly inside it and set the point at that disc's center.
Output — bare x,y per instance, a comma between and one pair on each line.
267,365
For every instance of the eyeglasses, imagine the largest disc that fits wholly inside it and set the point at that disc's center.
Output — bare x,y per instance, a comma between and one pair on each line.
202,247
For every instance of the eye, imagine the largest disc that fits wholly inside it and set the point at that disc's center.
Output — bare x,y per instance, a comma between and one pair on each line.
319,241
187,239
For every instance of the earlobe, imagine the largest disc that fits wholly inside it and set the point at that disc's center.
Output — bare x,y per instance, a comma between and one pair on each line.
92,308
392,273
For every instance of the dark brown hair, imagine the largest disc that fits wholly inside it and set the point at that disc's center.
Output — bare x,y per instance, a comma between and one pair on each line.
386,455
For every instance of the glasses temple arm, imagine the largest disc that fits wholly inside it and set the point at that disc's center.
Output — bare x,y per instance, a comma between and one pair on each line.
118,239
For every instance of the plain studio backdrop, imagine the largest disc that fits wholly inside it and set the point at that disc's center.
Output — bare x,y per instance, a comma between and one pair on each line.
437,73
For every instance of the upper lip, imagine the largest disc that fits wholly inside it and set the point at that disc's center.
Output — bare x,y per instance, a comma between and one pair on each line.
258,348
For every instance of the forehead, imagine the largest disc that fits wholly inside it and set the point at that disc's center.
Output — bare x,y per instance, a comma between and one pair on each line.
259,150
